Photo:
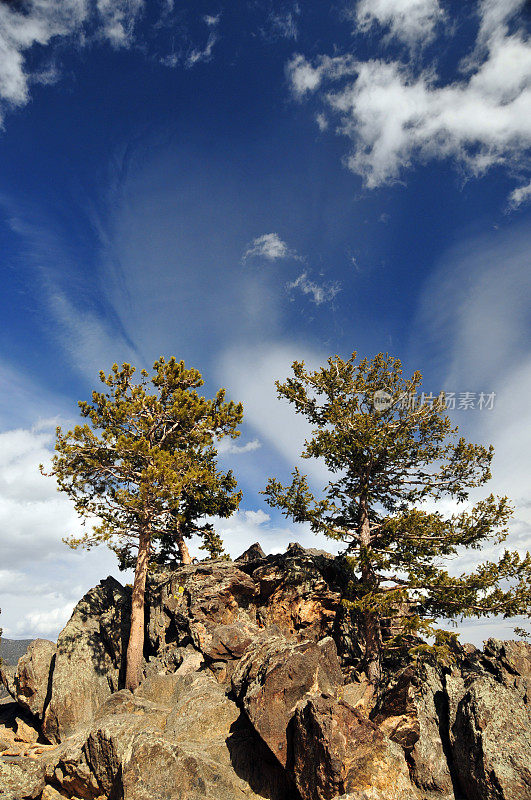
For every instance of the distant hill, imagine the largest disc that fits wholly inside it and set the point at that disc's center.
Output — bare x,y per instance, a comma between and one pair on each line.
12,649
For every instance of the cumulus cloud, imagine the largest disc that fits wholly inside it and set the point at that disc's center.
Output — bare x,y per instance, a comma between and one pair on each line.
318,293
269,246
41,22
34,517
411,21
395,115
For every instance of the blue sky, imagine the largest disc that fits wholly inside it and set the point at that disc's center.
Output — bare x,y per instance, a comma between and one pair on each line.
240,185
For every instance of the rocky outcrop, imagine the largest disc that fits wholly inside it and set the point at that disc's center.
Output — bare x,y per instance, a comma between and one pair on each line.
184,747
252,689
336,751
89,660
492,743
274,674
31,681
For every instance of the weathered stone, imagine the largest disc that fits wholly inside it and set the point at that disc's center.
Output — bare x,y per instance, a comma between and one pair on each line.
186,605
511,662
359,694
413,712
7,677
89,659
229,642
25,732
21,778
274,674
33,676
297,592
336,750
492,749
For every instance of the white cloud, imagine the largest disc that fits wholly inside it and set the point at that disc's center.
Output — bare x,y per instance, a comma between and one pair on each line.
227,446
411,21
42,22
318,293
42,623
205,53
251,372
322,121
34,517
395,116
269,246
257,517
118,19
520,195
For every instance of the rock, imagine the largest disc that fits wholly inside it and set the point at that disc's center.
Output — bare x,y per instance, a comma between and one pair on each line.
89,660
181,746
492,746
33,676
359,694
25,732
511,662
187,604
229,642
49,793
253,553
7,677
336,750
413,712
21,778
298,592
274,675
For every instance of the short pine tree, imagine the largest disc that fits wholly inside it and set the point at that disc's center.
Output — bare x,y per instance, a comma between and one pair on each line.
143,471
385,459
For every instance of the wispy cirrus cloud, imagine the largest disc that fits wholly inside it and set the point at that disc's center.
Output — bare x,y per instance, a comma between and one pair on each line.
398,114
205,53
318,293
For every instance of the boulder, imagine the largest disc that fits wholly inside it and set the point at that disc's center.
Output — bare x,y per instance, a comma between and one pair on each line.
90,658
182,745
186,605
21,778
492,746
336,751
33,676
274,674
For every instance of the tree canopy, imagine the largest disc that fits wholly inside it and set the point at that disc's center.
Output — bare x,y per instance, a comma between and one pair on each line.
143,471
389,461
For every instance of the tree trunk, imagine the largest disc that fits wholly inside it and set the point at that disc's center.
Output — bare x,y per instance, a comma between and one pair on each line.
135,647
370,622
183,549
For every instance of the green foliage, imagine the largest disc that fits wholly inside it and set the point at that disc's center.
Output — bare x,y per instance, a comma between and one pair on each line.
145,460
383,464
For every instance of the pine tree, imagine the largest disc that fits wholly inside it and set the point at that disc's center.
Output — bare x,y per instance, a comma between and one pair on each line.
143,471
386,458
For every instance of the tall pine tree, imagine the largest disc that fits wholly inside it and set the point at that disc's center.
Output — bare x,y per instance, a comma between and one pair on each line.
385,458
143,471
